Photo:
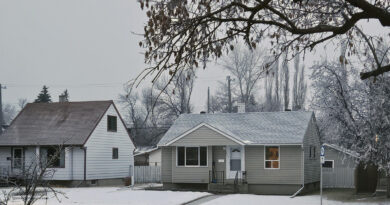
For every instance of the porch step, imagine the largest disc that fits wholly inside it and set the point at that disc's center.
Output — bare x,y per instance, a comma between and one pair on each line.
221,188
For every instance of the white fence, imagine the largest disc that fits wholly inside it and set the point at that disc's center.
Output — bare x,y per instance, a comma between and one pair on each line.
147,174
338,177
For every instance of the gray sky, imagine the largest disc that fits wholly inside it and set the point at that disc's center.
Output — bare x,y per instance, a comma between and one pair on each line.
84,46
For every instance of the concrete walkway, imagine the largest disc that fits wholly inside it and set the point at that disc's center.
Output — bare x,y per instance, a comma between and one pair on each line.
202,199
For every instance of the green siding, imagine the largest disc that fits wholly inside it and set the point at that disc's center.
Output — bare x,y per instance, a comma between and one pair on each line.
166,164
312,166
204,136
290,171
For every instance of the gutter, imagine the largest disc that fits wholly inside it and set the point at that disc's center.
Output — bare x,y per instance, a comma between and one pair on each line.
303,174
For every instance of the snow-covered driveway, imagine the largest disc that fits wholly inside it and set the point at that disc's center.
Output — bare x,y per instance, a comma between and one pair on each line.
249,199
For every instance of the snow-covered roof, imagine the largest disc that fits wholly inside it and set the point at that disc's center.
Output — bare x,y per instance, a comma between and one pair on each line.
143,150
68,123
249,128
342,149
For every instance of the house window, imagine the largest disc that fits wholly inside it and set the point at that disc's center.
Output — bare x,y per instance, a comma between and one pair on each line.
180,156
272,160
52,157
111,123
191,156
312,152
115,153
17,160
328,164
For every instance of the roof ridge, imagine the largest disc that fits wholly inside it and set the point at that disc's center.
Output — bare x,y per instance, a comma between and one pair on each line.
295,111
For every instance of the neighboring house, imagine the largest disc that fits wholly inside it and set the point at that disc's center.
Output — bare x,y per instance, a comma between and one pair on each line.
262,153
147,153
147,156
95,145
339,167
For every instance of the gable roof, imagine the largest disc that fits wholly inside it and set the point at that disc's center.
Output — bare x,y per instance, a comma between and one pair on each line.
68,123
249,128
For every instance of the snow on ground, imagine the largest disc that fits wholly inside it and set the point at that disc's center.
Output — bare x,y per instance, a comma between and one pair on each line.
249,199
119,196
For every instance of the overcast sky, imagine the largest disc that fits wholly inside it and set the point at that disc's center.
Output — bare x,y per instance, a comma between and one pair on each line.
84,46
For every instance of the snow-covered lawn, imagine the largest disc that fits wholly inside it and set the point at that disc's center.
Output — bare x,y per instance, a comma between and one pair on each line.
137,196
249,199
112,195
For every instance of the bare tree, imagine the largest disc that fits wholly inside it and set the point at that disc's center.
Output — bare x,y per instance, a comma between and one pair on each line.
175,96
135,115
179,34
22,102
33,183
272,92
246,67
9,113
299,86
285,75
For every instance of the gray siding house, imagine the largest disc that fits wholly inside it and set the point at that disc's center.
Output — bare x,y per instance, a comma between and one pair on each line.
96,148
262,153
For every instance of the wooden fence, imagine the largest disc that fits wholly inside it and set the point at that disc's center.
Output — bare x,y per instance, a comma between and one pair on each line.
338,177
147,174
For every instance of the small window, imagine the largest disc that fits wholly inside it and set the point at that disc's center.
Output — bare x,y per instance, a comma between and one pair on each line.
52,157
314,152
115,153
272,157
180,156
111,123
328,164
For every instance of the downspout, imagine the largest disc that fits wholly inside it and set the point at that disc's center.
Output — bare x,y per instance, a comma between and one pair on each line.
303,174
85,163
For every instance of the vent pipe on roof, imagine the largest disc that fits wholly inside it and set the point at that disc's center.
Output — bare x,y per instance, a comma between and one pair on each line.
240,107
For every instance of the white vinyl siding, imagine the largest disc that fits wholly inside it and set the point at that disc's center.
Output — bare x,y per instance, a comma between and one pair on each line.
100,164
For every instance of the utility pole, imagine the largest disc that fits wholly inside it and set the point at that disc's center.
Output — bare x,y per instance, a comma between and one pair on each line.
208,99
229,95
1,110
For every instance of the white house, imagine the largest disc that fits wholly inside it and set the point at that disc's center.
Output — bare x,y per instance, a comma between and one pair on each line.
96,148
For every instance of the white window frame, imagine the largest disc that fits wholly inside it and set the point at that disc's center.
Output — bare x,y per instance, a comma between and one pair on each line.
265,160
185,157
13,157
330,160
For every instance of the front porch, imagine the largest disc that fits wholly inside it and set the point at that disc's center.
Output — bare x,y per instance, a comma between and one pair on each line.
227,174
218,182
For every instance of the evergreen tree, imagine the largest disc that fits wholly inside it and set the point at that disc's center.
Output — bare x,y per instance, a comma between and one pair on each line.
44,96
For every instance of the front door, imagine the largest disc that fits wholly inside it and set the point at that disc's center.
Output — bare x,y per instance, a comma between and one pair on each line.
17,158
234,156
219,163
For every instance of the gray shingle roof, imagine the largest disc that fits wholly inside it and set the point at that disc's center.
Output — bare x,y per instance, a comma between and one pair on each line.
249,128
68,123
